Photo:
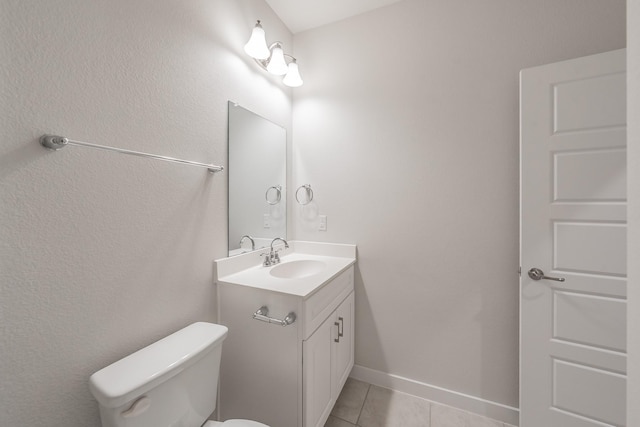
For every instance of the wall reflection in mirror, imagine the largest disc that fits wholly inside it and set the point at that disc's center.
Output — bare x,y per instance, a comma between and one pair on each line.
257,181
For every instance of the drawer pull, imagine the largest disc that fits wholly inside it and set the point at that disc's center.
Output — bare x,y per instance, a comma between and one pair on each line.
262,314
340,329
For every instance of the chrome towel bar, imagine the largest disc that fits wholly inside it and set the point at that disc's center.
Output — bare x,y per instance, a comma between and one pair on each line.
262,314
55,142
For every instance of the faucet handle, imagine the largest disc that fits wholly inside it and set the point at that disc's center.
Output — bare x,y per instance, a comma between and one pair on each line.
267,258
276,257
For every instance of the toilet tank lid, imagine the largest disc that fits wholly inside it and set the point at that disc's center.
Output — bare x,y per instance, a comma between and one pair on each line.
143,370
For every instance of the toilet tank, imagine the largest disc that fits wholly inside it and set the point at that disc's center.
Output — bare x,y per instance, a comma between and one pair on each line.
172,382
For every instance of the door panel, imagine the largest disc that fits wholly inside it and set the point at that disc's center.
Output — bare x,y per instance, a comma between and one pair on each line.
590,176
317,376
599,392
345,345
590,247
573,226
597,100
589,319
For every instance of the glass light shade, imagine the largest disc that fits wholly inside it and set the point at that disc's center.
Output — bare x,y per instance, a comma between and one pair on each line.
256,47
293,79
277,65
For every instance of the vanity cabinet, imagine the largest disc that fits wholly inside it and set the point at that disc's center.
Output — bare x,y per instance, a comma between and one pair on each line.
327,362
285,376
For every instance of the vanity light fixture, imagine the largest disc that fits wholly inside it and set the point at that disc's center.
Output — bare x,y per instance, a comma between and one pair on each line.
272,58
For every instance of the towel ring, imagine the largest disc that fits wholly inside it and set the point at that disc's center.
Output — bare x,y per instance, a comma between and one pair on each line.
278,189
309,194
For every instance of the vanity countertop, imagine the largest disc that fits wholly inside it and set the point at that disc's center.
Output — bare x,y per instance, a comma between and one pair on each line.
334,258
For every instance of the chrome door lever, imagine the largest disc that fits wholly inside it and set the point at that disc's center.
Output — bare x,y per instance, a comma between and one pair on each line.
537,274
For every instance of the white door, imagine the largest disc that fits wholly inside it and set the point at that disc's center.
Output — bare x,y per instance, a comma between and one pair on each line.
573,227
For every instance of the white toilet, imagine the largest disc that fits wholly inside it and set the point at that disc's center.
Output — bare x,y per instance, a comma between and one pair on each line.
172,382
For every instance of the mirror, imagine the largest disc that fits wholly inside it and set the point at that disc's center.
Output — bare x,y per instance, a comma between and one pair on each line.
257,180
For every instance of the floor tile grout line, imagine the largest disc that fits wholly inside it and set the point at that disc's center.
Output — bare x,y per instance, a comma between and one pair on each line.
341,419
431,406
362,406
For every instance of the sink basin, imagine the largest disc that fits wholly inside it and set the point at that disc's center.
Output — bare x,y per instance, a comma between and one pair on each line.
297,269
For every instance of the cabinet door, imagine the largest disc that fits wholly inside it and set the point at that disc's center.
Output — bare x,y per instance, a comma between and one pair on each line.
344,346
317,375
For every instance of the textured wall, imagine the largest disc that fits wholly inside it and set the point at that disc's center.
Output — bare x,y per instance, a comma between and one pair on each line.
633,210
100,253
407,130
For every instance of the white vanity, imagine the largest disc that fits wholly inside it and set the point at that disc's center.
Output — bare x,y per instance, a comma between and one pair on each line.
277,370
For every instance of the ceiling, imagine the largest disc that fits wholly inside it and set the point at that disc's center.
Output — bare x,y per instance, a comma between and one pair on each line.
300,15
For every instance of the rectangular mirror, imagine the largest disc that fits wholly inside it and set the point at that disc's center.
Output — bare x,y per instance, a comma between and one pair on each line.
257,181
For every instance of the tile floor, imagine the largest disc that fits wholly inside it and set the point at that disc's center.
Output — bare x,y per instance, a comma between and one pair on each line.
365,405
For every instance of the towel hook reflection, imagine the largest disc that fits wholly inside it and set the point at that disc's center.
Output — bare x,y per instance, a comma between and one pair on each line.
278,197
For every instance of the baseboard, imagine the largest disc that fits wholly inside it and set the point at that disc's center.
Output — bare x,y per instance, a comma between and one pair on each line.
465,402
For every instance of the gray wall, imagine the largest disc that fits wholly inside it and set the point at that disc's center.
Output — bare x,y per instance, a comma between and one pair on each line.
100,253
633,210
407,130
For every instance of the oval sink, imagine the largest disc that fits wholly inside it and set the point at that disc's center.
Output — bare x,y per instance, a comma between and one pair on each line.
297,269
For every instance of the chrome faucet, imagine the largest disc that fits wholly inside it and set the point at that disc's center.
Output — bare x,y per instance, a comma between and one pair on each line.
253,243
272,258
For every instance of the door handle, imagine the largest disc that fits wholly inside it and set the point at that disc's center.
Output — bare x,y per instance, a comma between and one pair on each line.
537,274
340,326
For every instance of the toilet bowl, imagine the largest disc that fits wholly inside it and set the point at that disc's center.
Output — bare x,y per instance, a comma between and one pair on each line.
173,381
234,423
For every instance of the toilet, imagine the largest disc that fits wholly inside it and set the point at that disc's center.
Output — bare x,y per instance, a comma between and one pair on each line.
172,382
